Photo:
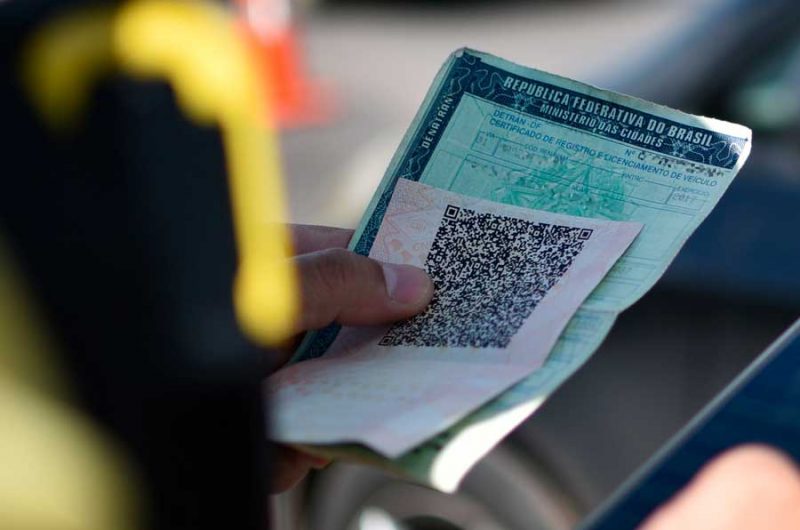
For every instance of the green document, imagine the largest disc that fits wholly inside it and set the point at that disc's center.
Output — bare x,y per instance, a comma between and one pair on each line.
495,130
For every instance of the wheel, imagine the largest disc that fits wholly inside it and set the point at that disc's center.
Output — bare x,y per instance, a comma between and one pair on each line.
505,491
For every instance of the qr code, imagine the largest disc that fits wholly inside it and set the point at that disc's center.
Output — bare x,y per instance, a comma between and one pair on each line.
489,273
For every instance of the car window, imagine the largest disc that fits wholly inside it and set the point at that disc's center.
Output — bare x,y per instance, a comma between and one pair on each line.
768,99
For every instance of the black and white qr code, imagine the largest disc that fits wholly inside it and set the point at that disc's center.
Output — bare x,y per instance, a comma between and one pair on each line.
489,273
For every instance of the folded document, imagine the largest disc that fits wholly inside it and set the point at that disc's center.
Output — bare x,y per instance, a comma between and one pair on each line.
542,208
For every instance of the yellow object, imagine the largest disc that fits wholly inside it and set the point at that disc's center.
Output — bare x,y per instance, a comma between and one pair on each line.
63,61
58,471
196,46
25,350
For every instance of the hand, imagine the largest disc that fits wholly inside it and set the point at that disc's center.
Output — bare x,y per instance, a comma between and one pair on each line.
343,287
747,488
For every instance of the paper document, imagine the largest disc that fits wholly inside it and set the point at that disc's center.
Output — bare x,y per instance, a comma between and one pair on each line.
497,131
507,280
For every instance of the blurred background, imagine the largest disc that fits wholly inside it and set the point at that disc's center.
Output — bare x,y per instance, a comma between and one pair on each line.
133,273
730,292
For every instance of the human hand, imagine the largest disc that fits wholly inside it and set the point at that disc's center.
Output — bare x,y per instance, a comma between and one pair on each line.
747,488
339,286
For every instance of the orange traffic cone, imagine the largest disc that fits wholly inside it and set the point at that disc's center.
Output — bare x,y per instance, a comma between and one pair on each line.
298,100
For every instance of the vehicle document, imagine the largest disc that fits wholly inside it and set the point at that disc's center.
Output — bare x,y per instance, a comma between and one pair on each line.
492,135
506,281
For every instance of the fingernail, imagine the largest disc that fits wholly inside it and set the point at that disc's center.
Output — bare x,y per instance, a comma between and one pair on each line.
406,284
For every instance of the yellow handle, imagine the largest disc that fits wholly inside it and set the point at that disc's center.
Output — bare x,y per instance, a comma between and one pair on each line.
196,46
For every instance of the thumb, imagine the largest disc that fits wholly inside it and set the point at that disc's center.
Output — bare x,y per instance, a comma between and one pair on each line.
344,287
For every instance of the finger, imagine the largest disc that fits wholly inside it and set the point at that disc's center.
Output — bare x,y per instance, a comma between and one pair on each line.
291,466
310,238
734,492
341,286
